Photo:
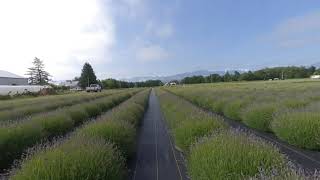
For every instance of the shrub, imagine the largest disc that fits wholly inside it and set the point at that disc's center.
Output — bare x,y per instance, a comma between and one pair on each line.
21,108
78,114
300,128
54,124
295,103
92,109
218,105
87,153
187,122
79,158
232,155
190,131
233,108
13,141
259,115
121,133
5,97
16,139
132,114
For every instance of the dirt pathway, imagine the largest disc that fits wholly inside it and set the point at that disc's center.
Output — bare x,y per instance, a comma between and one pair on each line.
156,157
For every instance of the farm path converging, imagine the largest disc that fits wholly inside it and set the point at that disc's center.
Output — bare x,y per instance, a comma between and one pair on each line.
156,158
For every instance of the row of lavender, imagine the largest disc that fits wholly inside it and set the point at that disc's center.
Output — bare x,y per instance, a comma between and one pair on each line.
16,138
97,150
290,110
215,151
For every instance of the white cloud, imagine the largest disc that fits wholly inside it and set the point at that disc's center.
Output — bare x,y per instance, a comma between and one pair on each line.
152,53
64,33
298,31
160,30
165,31
131,9
300,24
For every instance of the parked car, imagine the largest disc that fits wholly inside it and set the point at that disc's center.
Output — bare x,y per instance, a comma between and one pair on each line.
93,88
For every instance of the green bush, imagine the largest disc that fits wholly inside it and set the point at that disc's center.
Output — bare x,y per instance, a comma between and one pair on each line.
233,109
16,139
295,103
78,114
92,109
79,158
17,109
54,124
190,131
187,122
121,133
5,97
232,155
132,114
259,115
218,105
300,128
216,153
87,154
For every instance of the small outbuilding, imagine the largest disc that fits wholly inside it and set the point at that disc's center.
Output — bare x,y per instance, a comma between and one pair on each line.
315,77
10,79
73,85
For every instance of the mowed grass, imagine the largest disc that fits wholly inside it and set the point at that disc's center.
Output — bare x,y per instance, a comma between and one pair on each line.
97,150
17,138
259,105
215,152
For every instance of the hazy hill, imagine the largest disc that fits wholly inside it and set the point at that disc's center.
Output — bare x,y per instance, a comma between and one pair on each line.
177,76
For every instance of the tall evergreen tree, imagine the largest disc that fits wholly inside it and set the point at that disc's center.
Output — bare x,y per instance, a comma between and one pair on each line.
37,74
87,76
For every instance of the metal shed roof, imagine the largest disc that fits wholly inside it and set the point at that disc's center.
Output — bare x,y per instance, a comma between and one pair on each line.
9,74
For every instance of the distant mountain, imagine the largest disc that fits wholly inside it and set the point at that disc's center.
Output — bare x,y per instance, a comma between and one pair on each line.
178,76
317,65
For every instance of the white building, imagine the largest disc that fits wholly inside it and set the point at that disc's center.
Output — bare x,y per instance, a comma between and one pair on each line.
10,79
73,85
315,77
69,83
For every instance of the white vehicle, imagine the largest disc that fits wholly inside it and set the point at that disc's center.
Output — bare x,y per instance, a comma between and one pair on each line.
93,88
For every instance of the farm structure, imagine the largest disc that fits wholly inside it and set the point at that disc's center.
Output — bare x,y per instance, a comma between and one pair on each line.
8,78
315,77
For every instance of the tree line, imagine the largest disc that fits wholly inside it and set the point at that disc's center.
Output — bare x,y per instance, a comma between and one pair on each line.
88,77
38,76
114,84
290,72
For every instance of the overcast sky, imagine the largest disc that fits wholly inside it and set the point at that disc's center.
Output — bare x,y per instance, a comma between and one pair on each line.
126,38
